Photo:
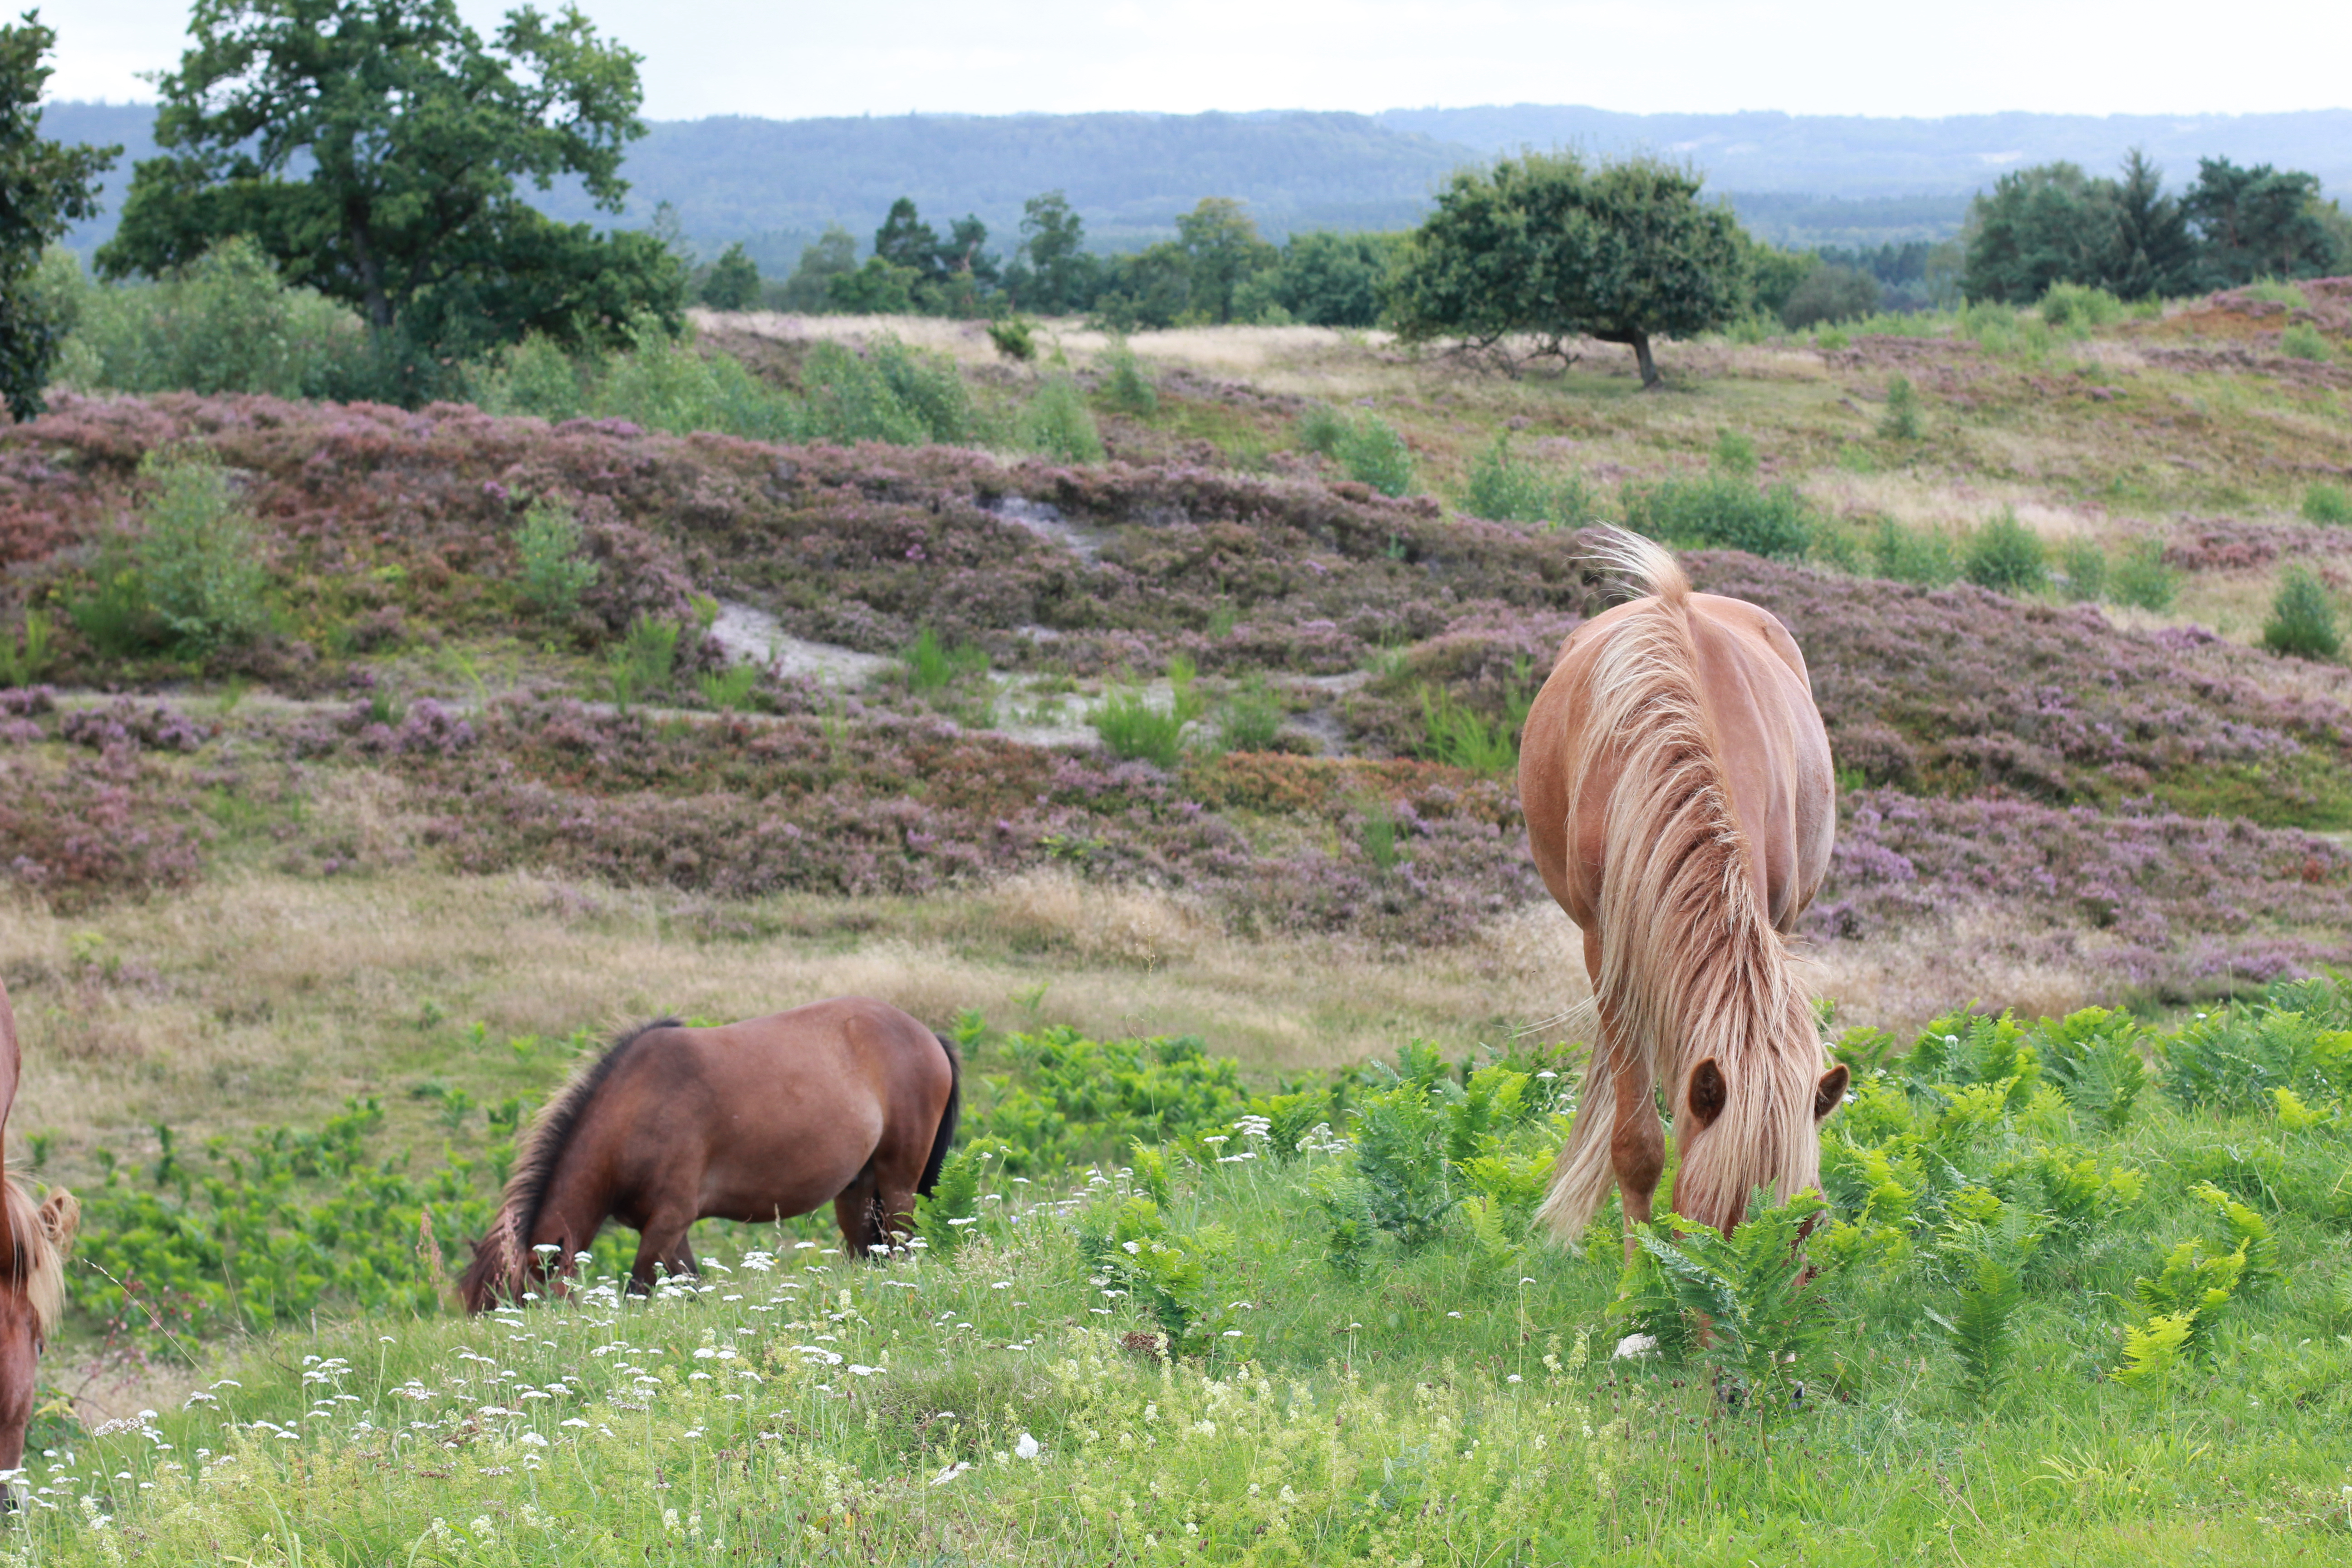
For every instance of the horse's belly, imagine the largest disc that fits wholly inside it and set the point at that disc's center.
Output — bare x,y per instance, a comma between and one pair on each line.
783,1169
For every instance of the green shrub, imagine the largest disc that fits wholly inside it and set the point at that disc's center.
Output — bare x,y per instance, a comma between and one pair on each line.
2084,567
662,383
2303,617
929,386
1829,294
1901,420
1460,737
1722,511
849,401
534,376
1319,427
199,559
2303,341
114,616
1132,729
2074,308
2327,503
930,664
1372,452
226,322
1252,716
1734,455
1014,337
728,689
1057,422
2006,556
2141,578
1923,556
553,573
1505,489
25,657
1124,386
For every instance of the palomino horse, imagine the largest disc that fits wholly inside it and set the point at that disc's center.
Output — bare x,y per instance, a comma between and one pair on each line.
1679,800
33,1242
850,1102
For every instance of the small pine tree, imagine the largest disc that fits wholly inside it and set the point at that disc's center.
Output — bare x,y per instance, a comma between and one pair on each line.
1901,420
2303,617
2006,556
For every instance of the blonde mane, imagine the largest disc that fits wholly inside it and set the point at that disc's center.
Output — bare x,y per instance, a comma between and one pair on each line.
38,1268
1691,965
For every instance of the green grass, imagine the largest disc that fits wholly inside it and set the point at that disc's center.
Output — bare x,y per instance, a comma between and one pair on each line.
1447,1391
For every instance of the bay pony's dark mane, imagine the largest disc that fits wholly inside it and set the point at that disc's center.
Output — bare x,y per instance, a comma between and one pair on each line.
500,1258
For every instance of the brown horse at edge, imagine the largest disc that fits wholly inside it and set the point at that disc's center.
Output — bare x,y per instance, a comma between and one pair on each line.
1680,802
33,1242
849,1101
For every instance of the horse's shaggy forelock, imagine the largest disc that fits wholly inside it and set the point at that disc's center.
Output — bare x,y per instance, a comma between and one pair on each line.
39,1268
1691,966
502,1255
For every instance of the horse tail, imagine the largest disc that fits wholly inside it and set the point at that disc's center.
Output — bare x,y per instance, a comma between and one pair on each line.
947,1119
501,1265
1691,965
1582,1174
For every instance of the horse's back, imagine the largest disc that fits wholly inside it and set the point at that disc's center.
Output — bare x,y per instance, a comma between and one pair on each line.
1774,751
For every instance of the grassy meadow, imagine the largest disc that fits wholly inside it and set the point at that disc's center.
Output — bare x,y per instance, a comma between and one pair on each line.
363,768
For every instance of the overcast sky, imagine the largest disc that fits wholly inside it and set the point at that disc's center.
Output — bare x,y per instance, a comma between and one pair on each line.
789,58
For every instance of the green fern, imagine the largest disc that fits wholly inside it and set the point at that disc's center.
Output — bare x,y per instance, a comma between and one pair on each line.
1989,1244
2193,1286
2153,1349
1753,1289
2094,1057
2256,1245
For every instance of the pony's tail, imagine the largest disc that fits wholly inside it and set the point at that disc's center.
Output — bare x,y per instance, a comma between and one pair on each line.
948,1119
1582,1174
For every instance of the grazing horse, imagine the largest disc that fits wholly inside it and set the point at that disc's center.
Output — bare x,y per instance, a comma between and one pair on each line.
33,1242
850,1102
1679,800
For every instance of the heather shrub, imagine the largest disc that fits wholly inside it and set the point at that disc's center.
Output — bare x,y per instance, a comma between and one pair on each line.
1901,420
553,572
1124,386
2324,503
1058,424
199,556
1372,452
2303,617
2142,578
2006,556
2303,341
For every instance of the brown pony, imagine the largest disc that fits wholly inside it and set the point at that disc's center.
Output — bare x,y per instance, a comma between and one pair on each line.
33,1242
1680,800
849,1101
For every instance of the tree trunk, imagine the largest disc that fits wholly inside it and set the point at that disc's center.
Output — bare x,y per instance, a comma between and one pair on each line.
1651,379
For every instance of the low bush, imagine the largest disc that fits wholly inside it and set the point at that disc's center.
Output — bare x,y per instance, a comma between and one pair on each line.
1124,385
1372,452
2327,503
199,560
1723,511
2303,617
1901,420
1508,489
554,575
2143,578
2006,556
2072,308
1057,424
2303,340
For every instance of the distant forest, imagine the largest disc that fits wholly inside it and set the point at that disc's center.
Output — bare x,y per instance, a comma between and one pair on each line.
1803,182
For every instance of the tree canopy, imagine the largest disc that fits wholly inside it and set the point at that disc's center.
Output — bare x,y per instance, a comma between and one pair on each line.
2056,224
44,187
1546,246
372,149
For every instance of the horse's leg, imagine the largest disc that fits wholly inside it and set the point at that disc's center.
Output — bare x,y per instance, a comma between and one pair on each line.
663,1241
858,1210
1637,1142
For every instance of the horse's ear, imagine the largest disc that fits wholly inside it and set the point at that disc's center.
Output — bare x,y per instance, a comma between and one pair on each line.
1707,1092
60,1217
1832,1093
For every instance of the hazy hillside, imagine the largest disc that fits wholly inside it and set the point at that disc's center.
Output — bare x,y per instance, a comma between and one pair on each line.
1851,156
1796,179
